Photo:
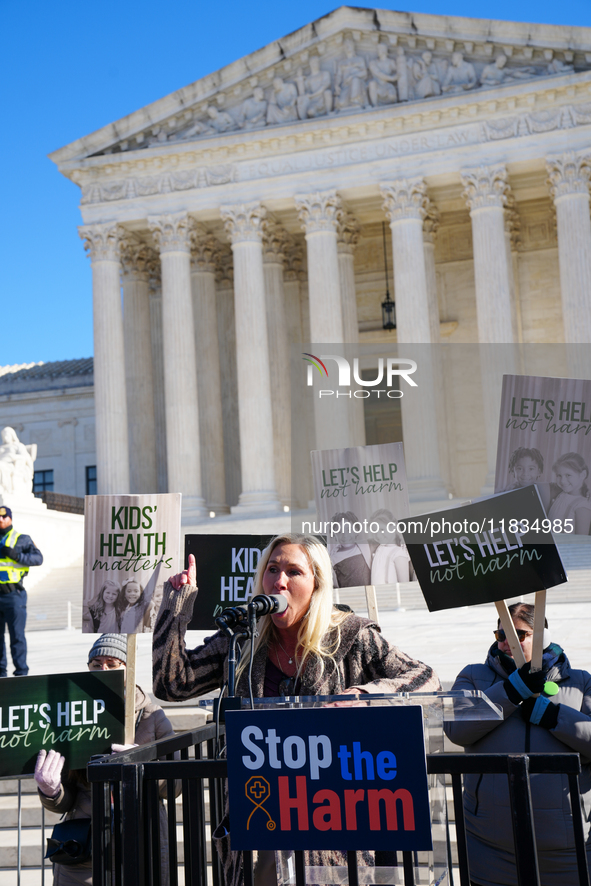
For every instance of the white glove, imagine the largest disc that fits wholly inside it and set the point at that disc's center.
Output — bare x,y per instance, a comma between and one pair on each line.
48,770
119,748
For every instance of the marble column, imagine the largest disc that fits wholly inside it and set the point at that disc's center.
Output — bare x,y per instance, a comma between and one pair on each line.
568,176
486,191
155,285
275,241
430,228
318,214
406,205
172,234
512,240
135,261
228,375
243,225
347,239
103,243
203,265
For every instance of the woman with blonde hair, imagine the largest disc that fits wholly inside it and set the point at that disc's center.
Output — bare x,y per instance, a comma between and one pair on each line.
312,648
105,610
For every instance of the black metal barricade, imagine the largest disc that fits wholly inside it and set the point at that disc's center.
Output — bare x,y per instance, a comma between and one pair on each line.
127,811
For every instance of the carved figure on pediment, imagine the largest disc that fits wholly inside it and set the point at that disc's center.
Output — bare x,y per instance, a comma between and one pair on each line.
253,111
16,464
282,106
426,76
350,87
315,92
384,75
198,128
220,121
460,75
402,64
498,73
558,67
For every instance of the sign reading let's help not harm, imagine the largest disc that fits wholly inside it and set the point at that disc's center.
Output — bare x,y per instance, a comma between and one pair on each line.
334,778
77,715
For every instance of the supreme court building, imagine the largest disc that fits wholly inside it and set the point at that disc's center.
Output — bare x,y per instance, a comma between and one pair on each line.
245,212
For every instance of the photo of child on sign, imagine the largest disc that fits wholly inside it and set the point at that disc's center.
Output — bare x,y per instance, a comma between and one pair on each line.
545,438
361,494
131,543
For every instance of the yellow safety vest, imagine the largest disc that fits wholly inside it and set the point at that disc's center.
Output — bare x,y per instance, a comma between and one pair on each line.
10,571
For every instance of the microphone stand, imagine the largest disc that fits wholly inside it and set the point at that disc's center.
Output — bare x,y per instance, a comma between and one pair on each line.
231,702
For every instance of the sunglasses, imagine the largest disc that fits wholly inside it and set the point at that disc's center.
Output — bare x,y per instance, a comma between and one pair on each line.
501,636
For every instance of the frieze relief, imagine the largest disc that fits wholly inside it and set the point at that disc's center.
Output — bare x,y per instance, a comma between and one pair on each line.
357,75
518,125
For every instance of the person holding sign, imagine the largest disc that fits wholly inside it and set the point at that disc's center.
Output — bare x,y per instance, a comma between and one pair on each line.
69,792
310,648
543,711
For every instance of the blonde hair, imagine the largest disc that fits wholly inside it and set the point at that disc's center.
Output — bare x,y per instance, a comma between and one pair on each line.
320,617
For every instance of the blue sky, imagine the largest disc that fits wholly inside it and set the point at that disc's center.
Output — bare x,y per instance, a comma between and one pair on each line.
69,68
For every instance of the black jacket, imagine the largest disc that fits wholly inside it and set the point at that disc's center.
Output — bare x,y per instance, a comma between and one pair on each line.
27,554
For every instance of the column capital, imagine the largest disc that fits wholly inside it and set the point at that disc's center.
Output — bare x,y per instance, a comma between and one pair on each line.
485,187
318,211
293,269
103,242
224,275
405,198
568,174
204,249
275,242
172,231
512,221
347,232
138,261
430,222
244,222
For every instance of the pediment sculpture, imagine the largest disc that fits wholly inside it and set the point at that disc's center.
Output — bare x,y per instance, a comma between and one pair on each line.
351,80
16,465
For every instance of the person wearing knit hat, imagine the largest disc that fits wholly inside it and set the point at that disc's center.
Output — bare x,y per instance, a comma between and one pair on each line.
108,646
62,791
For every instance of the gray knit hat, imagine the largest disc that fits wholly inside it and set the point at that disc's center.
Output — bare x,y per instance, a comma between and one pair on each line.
113,645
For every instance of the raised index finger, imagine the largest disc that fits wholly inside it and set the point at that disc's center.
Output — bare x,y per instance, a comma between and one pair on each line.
192,571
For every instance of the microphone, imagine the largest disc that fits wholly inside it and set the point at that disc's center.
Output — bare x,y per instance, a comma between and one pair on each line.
260,605
264,604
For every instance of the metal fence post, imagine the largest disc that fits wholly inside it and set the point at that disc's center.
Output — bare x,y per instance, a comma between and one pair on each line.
526,857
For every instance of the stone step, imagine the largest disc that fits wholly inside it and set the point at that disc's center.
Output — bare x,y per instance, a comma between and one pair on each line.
31,811
47,603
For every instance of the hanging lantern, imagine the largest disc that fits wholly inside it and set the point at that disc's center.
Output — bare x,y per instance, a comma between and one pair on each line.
388,306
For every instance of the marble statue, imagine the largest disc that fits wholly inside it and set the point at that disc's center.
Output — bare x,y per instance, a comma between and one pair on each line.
220,121
16,465
253,111
351,73
460,75
558,67
282,104
384,75
315,93
497,73
426,76
402,69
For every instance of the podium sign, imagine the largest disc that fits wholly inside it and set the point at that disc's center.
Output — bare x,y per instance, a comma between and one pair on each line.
330,778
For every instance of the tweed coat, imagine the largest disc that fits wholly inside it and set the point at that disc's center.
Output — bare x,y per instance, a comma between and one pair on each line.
363,659
486,798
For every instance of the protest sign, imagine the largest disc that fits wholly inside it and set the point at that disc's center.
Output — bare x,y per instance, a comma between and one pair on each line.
483,552
361,493
226,565
328,779
131,546
545,438
77,715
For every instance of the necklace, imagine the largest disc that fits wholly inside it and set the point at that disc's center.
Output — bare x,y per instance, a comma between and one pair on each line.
289,658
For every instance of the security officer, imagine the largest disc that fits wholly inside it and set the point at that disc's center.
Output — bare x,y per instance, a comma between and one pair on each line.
17,553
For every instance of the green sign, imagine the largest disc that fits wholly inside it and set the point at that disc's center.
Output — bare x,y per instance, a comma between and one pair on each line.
77,715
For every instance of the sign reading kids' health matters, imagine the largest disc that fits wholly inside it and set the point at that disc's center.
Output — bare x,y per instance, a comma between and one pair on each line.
490,550
226,566
328,779
545,438
131,546
361,493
